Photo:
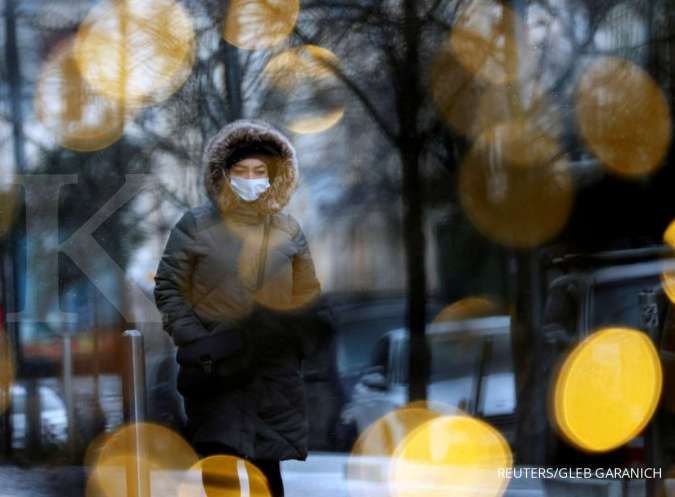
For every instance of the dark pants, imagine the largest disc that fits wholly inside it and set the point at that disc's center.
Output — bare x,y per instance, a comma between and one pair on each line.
270,468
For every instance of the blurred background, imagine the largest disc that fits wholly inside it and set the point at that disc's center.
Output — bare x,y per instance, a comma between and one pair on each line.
487,191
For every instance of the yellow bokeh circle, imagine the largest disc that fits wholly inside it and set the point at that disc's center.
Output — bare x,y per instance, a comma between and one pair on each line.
78,118
668,275
623,116
9,201
607,389
515,185
455,92
136,52
484,40
468,308
451,455
254,24
7,371
224,476
371,454
308,88
155,449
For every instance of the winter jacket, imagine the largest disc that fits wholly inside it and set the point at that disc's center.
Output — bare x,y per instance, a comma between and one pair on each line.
206,283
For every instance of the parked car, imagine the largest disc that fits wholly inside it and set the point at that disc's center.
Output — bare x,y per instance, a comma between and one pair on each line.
359,319
471,370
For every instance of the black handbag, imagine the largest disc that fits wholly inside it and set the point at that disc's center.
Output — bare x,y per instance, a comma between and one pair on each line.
223,360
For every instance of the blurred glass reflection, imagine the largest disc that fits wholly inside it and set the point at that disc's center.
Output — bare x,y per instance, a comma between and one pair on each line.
8,207
484,40
515,185
308,88
607,389
78,117
256,24
668,276
623,116
368,463
156,449
7,371
467,308
223,476
451,455
137,53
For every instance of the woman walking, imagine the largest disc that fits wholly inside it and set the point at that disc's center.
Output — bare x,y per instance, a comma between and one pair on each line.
235,287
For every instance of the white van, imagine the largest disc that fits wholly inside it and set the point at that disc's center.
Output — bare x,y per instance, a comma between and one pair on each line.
471,370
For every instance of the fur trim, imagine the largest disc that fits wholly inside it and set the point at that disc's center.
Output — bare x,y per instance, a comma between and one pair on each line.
225,142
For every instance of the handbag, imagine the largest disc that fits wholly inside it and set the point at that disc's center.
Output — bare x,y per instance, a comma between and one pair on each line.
222,360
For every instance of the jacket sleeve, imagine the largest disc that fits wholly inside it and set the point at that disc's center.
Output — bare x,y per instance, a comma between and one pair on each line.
172,284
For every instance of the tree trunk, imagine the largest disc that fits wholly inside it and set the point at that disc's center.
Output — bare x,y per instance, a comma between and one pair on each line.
409,103
232,74
530,440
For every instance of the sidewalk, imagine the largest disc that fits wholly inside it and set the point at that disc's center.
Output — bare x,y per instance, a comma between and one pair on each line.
42,481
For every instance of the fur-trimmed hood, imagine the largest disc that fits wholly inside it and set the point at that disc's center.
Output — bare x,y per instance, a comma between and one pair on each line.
225,142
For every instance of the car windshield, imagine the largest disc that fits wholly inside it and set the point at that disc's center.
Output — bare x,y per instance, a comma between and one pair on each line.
454,358
356,342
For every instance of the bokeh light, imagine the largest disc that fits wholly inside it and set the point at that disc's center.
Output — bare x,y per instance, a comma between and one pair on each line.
8,207
254,24
607,389
484,40
455,92
308,88
434,406
483,74
669,235
371,454
471,106
224,476
668,275
94,449
109,478
451,455
515,185
468,308
156,448
78,118
623,116
7,372
137,53
316,124
276,274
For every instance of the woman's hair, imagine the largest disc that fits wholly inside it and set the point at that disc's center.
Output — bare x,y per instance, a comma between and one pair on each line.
255,149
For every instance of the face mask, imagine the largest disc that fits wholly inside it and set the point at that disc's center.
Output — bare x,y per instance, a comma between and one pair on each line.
249,189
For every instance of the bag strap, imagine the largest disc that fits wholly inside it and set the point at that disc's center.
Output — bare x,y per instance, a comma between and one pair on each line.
262,256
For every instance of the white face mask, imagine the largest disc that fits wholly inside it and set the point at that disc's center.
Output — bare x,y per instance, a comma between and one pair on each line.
249,189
